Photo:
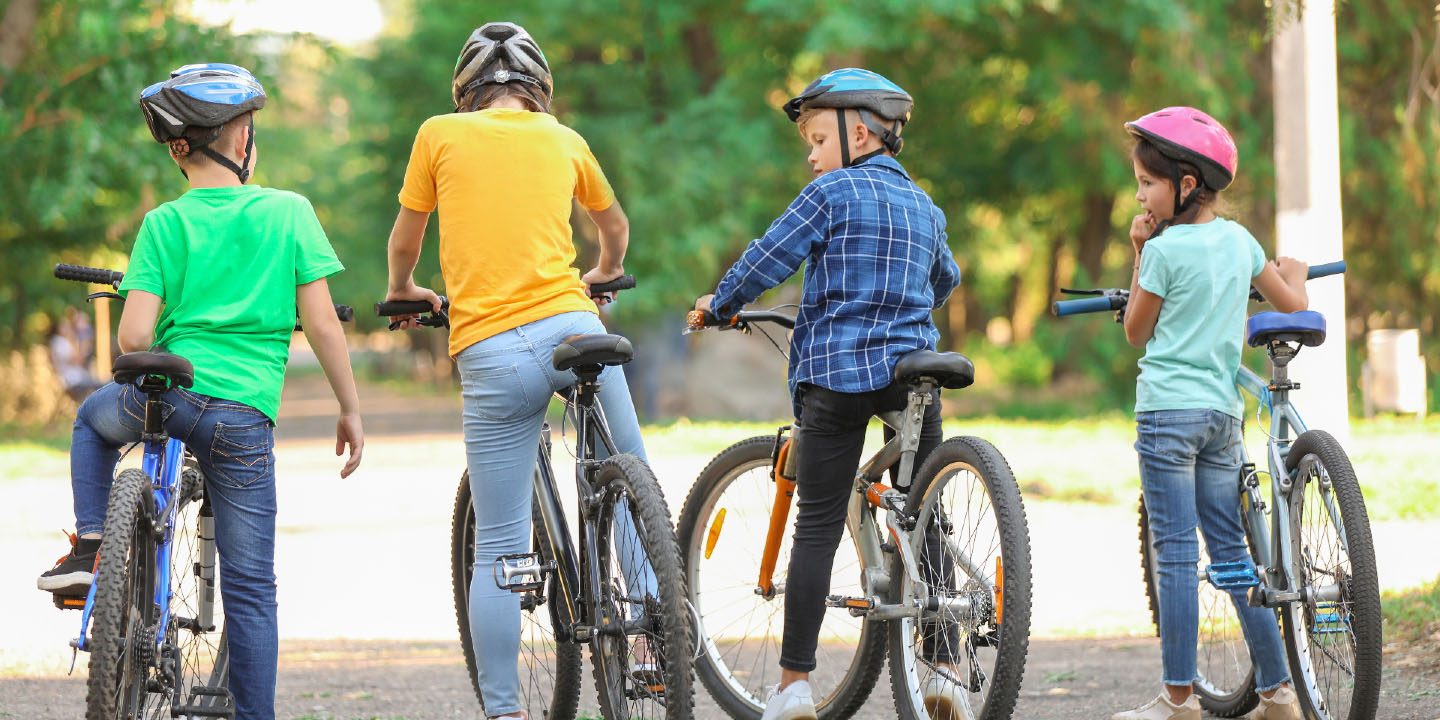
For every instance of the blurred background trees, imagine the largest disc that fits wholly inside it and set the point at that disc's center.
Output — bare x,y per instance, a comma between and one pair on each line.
1016,134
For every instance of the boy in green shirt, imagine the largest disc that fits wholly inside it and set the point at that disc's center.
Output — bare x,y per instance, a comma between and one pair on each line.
216,277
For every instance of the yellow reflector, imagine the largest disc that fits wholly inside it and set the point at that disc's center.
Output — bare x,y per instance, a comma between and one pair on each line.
999,590
714,533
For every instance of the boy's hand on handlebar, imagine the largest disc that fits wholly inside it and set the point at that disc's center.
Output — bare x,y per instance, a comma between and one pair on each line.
703,302
413,292
349,432
1140,229
599,275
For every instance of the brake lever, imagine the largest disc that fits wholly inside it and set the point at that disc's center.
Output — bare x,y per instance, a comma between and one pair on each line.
95,296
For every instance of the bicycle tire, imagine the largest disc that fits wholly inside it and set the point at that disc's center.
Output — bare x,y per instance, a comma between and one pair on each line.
626,485
545,693
998,690
201,654
747,468
1320,681
1218,693
124,607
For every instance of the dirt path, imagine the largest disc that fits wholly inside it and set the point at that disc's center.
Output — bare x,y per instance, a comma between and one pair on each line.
367,622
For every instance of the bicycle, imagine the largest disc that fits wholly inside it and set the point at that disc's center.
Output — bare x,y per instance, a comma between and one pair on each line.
943,569
570,599
156,639
1319,572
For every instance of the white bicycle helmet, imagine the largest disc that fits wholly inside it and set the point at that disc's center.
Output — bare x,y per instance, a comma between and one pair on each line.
483,52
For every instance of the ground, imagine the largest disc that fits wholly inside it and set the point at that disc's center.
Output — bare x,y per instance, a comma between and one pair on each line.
367,621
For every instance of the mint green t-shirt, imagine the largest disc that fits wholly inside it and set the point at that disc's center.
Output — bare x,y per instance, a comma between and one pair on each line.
226,262
1203,274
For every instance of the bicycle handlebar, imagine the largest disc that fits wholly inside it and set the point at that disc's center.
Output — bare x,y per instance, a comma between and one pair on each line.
697,320
1116,298
624,282
391,308
100,276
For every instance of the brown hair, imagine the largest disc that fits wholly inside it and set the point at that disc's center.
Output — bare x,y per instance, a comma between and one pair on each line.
484,96
187,152
1158,165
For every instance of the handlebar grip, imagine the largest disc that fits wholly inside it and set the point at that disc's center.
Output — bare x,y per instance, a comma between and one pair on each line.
344,312
1326,270
1086,305
624,282
80,273
407,307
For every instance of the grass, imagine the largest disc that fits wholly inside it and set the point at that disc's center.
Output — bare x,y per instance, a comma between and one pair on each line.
1413,616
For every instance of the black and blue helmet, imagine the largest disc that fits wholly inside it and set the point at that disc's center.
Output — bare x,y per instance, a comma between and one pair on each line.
203,95
865,91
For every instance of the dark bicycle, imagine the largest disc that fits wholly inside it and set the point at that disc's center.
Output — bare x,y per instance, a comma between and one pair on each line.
570,599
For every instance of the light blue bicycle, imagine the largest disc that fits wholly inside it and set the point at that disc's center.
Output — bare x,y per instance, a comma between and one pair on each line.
1313,561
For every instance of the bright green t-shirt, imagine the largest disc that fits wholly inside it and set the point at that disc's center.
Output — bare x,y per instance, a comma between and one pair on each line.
1203,274
226,262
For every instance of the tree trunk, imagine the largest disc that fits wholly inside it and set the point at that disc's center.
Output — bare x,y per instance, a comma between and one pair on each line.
16,30
1095,233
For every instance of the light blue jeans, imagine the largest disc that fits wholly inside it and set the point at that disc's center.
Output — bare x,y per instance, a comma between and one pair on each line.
507,381
1190,471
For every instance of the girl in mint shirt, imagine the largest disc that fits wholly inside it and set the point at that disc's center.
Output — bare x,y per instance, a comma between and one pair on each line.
1193,273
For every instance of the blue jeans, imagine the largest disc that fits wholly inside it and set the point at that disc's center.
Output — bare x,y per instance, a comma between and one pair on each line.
234,444
1190,471
507,381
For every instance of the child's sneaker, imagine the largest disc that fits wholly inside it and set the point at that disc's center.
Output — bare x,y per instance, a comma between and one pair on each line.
792,703
1283,705
1162,709
944,696
74,572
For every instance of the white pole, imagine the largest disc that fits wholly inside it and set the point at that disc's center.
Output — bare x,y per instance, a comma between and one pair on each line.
1307,188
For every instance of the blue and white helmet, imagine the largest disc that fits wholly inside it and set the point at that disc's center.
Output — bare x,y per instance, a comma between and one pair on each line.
862,90
203,95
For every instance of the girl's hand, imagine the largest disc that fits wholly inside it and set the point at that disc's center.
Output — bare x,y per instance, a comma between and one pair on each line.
349,432
1140,229
601,274
1292,271
413,292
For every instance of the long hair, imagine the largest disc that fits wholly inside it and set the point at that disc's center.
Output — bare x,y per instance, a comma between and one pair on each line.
487,95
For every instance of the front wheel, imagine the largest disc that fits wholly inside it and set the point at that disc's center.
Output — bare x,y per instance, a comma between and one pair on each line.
1332,635
642,642
722,531
963,657
549,669
122,627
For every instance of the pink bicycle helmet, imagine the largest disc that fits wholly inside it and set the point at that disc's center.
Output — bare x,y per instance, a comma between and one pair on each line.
1189,135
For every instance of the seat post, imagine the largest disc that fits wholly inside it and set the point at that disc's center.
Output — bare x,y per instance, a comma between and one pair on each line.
910,425
1281,353
153,386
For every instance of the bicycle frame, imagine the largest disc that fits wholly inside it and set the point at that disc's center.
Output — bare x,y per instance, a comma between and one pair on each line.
899,523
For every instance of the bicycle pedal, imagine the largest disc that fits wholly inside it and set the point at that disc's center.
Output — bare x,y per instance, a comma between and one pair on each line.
224,707
1232,575
857,606
69,602
1330,618
520,572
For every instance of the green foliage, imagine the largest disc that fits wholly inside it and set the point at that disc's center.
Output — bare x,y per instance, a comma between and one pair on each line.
1412,615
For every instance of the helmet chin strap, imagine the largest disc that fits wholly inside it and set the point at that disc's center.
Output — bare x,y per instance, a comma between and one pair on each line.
242,170
889,137
1180,205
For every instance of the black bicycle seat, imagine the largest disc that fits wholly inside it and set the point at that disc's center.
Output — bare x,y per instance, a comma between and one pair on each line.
950,370
592,350
133,366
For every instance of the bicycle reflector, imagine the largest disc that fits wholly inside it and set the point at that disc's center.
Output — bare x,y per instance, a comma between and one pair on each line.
714,533
999,590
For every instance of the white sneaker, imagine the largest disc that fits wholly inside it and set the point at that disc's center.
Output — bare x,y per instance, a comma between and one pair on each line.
1162,709
1282,706
792,703
945,697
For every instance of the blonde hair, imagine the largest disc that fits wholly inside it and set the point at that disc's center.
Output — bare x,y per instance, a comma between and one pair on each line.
808,116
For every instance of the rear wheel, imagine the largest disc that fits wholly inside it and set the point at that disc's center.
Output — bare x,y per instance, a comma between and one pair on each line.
196,636
122,627
1332,635
642,648
722,533
1226,681
549,669
965,658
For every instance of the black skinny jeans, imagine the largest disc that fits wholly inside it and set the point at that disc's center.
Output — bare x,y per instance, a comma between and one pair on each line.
830,439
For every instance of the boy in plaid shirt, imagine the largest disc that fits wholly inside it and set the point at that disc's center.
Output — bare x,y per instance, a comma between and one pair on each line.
876,265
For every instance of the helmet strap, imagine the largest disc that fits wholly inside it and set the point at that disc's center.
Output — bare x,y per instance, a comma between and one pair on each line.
844,137
241,171
889,136
1180,205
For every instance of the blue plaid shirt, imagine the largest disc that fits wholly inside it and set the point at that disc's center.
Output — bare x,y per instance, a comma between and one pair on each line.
878,264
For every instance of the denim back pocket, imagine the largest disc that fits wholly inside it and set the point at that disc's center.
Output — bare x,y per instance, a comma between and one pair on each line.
241,454
495,392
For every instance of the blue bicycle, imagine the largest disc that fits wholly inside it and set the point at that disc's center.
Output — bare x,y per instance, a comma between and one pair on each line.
151,620
1312,558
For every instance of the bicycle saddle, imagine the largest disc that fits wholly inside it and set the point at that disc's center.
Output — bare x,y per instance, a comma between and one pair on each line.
130,367
951,370
592,350
1306,327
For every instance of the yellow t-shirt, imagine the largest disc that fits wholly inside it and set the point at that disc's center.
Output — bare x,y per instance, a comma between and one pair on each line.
503,180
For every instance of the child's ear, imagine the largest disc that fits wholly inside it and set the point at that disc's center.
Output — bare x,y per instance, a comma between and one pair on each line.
241,140
1188,185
